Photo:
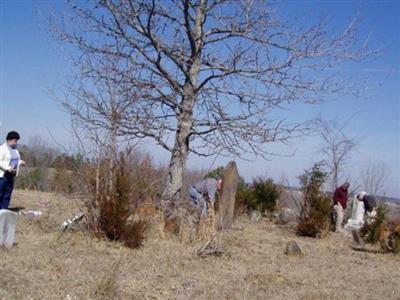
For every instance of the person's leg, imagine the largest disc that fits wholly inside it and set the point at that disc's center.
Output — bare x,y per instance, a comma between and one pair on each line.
3,185
8,192
339,217
203,205
357,239
194,195
198,200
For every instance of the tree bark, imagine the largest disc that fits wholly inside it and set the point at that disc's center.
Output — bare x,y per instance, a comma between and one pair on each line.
179,156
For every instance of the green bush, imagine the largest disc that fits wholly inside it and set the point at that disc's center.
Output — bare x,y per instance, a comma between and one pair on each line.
379,229
263,196
373,228
315,214
243,193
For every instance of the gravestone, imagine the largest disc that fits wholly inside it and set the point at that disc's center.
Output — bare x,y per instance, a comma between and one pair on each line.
357,215
8,219
293,249
226,206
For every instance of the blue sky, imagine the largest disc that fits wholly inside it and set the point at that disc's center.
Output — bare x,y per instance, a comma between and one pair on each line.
32,63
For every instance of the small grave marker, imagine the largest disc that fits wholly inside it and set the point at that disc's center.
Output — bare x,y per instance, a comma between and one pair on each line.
8,219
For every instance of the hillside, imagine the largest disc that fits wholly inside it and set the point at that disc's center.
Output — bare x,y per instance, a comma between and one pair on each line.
46,265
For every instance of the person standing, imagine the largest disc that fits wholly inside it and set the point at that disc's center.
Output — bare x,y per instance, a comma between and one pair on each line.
10,161
340,198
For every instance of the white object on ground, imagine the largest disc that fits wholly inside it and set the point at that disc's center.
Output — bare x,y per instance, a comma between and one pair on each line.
66,224
8,219
31,213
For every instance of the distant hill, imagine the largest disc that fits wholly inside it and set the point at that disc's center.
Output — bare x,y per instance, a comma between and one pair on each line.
391,199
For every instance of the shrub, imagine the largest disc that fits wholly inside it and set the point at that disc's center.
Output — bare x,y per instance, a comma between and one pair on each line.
315,212
264,195
373,228
112,201
243,193
391,240
378,229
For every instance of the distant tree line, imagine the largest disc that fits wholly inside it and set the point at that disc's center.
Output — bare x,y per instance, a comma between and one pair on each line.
48,168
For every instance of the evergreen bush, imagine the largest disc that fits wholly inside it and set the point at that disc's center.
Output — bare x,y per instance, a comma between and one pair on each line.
316,207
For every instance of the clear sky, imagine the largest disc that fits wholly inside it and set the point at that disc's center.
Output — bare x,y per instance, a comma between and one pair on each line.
32,63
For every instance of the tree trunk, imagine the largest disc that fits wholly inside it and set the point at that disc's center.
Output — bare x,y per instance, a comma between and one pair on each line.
176,216
172,195
173,189
177,164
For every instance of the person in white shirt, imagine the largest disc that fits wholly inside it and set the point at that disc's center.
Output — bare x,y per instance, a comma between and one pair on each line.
10,161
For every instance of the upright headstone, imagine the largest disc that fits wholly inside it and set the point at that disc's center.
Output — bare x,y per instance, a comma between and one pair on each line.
357,216
8,219
226,206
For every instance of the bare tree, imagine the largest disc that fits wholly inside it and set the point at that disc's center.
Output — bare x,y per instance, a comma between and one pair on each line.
200,76
336,148
374,177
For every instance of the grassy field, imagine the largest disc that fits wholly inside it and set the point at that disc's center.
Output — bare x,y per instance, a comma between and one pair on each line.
46,265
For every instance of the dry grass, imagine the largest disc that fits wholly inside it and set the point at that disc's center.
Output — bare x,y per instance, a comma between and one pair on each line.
45,265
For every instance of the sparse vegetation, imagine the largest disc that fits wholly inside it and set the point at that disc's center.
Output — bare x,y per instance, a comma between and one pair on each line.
390,241
315,215
48,169
379,230
107,288
373,227
114,193
32,179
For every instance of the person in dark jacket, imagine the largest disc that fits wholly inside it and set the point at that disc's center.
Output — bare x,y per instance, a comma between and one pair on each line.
340,198
370,204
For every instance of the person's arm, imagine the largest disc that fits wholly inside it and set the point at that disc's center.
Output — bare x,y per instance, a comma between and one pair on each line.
4,162
21,163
